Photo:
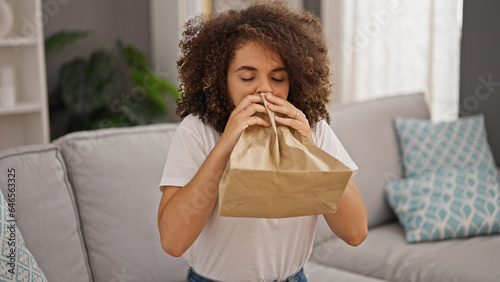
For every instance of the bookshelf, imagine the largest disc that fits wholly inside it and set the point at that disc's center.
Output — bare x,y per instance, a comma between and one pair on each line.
24,119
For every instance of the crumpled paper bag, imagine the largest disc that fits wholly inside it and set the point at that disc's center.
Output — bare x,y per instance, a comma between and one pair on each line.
276,172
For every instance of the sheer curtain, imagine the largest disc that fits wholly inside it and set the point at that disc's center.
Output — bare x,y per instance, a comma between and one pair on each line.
383,48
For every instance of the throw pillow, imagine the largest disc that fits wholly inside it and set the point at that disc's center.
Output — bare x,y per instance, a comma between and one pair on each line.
16,261
426,146
452,202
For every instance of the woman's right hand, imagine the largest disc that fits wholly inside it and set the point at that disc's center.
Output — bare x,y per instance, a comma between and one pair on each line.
184,212
241,118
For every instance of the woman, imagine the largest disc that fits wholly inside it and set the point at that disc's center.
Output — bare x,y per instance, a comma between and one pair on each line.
226,58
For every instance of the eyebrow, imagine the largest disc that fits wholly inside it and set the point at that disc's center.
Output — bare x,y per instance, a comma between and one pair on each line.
254,69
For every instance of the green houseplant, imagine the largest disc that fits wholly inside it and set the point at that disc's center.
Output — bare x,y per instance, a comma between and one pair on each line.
112,87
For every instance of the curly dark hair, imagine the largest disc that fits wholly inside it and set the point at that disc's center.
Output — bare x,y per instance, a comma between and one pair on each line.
209,44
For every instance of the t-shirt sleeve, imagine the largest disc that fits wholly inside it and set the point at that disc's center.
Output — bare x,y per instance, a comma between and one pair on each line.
185,156
326,139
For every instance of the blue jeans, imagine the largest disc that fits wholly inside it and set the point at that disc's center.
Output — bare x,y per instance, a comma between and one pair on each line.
195,277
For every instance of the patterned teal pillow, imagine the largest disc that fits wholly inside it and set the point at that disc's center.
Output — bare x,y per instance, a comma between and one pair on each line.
452,202
426,146
16,261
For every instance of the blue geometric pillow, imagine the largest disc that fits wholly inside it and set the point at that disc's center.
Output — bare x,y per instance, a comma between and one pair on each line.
16,261
427,147
452,202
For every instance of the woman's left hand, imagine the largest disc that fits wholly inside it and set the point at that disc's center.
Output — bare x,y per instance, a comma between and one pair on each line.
295,117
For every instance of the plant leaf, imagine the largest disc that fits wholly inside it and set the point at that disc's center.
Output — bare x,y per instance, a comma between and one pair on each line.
109,89
150,86
102,77
133,57
144,112
170,88
87,86
64,38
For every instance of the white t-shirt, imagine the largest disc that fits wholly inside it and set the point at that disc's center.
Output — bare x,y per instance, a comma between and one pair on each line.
236,248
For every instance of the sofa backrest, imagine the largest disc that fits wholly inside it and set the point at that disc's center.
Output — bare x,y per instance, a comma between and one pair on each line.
45,213
367,132
115,175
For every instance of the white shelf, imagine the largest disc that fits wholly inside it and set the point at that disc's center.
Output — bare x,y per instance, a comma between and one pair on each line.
23,49
21,108
17,42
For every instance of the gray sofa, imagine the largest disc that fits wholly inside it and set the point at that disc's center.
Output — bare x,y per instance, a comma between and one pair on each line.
86,206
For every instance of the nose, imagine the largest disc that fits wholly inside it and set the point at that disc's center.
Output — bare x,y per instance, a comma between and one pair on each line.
264,86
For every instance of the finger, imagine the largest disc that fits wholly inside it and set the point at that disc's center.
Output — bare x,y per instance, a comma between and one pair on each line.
293,123
277,100
300,126
250,99
291,112
257,120
283,106
252,109
246,105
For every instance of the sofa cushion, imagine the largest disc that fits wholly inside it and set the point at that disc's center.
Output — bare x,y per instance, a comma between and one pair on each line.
115,174
45,211
17,261
366,131
385,254
453,202
320,273
427,146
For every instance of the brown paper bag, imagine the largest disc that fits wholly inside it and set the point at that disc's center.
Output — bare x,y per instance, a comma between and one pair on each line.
276,172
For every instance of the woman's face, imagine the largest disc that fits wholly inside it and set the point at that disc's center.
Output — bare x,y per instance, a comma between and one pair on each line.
256,69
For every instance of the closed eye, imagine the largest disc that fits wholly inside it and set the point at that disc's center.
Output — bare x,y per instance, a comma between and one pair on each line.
247,79
278,79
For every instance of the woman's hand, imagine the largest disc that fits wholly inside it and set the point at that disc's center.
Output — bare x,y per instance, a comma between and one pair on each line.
296,118
241,118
